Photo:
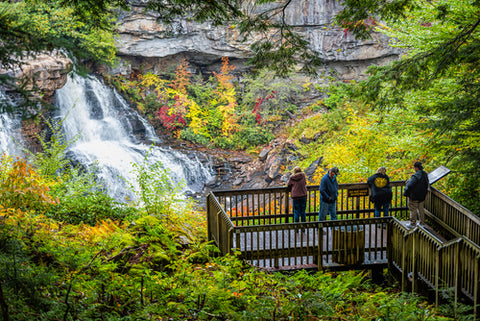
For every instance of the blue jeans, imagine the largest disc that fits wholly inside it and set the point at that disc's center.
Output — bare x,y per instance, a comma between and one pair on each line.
325,209
299,206
378,209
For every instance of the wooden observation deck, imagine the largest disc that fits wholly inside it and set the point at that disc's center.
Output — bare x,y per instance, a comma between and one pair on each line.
445,254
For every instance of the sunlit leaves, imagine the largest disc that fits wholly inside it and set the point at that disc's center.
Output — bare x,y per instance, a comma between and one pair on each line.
207,111
437,78
22,188
227,100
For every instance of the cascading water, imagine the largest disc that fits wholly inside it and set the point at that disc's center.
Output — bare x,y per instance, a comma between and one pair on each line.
11,139
109,135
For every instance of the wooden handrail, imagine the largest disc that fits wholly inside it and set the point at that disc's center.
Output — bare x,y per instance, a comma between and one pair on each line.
259,223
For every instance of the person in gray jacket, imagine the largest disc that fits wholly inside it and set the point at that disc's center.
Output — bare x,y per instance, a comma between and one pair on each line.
416,190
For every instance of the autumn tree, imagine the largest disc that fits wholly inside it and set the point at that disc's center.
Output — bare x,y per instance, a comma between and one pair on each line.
226,101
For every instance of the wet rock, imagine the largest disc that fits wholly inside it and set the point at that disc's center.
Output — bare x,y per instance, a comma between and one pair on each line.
264,153
305,140
312,167
238,181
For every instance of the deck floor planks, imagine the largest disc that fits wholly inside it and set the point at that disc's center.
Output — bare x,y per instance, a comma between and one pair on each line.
374,245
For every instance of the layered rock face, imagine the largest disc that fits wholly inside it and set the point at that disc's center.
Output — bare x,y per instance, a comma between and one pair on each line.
47,71
147,45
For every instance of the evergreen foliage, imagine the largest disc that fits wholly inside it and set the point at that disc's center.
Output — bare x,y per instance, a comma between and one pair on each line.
437,78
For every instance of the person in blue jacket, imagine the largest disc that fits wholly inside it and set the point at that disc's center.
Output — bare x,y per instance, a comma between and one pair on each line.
328,195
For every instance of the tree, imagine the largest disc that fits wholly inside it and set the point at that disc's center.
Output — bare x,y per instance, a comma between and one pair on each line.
437,77
28,28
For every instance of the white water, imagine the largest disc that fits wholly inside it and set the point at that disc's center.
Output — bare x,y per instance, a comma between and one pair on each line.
114,137
10,130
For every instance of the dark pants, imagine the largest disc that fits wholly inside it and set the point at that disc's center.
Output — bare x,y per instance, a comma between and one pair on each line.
299,206
379,207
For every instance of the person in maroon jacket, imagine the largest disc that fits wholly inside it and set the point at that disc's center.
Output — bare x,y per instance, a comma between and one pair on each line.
297,185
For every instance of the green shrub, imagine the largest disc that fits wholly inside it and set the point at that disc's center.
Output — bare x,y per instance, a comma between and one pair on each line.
89,208
188,135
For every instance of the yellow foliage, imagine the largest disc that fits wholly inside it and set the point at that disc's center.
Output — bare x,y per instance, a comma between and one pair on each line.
198,122
226,101
367,141
22,188
152,81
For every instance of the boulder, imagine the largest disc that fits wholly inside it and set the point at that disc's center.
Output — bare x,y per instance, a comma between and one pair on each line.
264,153
47,71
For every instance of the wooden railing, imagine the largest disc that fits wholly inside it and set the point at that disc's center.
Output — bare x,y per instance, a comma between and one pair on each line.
316,245
453,216
259,224
420,261
273,205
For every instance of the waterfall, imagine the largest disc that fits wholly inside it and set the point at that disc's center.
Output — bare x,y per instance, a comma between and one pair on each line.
108,134
10,130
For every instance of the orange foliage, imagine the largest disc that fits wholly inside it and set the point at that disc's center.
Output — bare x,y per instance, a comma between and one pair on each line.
22,188
227,97
182,77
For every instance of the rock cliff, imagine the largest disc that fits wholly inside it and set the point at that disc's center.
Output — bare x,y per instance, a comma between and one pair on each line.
144,44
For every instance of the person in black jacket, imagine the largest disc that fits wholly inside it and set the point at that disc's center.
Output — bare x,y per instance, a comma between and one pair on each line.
297,185
381,191
416,190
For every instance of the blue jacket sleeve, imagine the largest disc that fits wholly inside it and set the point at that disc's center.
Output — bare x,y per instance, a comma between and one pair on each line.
324,189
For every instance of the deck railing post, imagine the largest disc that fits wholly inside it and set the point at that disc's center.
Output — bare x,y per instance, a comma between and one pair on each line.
456,275
230,240
320,246
389,245
217,236
414,263
287,207
275,253
404,264
437,276
357,206
475,290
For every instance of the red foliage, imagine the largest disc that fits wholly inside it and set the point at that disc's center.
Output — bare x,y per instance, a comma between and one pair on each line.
368,23
168,121
259,101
